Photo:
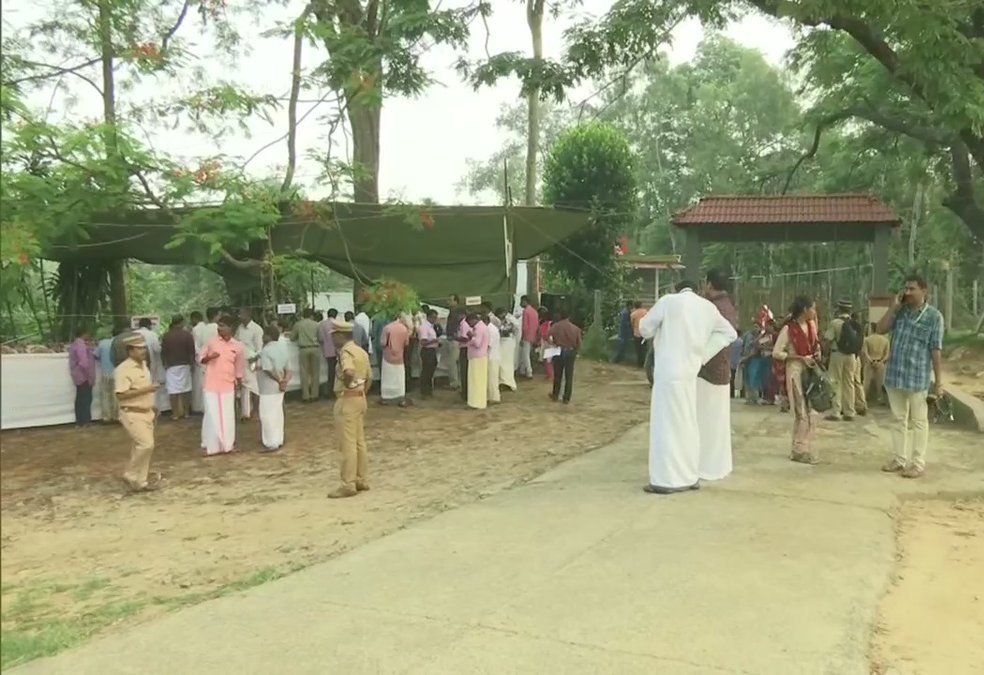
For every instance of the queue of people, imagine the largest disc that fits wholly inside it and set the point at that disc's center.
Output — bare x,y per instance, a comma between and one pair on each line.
229,368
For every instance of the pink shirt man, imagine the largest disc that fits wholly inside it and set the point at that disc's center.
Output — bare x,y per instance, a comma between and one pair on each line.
325,330
478,343
221,373
82,363
395,338
531,324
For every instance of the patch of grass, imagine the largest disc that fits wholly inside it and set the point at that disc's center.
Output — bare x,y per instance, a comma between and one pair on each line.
33,628
85,591
46,636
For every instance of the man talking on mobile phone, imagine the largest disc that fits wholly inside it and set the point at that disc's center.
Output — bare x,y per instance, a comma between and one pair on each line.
917,340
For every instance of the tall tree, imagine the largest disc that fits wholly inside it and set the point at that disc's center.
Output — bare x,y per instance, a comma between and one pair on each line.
59,173
374,49
931,54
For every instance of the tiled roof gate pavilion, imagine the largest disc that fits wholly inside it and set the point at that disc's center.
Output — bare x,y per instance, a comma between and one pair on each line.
790,218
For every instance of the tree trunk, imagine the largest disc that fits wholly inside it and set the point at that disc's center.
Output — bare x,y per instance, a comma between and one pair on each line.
917,211
364,120
534,18
117,270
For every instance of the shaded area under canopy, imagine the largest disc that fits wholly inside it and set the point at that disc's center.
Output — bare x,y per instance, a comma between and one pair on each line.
438,250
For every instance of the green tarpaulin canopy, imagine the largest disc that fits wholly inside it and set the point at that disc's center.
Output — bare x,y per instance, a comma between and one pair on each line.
438,250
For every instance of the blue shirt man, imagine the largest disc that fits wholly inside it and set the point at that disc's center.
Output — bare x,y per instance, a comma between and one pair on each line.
917,342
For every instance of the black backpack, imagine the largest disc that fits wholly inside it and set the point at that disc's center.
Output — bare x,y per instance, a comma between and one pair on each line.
851,338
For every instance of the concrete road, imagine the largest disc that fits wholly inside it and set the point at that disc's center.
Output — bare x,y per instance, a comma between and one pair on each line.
777,569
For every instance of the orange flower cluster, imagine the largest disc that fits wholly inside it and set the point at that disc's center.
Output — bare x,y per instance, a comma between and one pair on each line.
148,51
390,298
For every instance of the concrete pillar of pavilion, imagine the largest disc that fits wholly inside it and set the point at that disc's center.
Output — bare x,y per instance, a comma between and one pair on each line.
879,260
692,255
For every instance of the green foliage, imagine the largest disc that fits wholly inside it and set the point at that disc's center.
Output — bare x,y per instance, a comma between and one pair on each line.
591,167
911,68
375,49
595,343
390,299
487,175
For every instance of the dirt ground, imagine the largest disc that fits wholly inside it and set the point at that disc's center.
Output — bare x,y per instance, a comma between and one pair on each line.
79,557
964,367
932,619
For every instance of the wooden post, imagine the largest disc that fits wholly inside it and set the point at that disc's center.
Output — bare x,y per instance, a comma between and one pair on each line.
656,284
692,255
879,260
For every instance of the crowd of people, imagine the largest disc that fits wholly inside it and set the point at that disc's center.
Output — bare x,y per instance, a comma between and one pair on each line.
695,344
224,365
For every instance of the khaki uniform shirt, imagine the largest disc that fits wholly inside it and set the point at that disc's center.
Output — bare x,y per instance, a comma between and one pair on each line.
876,348
131,375
353,357
306,333
834,331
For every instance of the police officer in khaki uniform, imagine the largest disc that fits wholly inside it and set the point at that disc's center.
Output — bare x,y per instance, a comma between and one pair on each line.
135,393
351,386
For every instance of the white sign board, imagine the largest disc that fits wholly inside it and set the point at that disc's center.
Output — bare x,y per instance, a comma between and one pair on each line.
287,308
473,300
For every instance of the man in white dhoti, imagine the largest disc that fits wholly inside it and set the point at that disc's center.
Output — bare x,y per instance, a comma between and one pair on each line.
273,377
178,355
509,345
250,335
495,354
714,390
225,364
682,326
395,340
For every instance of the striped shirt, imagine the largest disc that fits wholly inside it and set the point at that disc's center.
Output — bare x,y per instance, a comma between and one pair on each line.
915,335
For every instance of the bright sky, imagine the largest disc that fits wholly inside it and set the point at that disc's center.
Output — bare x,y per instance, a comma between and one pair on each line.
425,141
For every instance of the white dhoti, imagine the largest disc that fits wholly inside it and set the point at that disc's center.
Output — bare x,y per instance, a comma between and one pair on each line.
478,388
493,385
507,363
525,365
197,377
393,382
177,379
219,423
674,440
250,386
272,420
714,422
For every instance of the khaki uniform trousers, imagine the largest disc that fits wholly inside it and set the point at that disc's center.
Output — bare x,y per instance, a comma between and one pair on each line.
350,417
860,397
140,426
841,373
874,380
310,358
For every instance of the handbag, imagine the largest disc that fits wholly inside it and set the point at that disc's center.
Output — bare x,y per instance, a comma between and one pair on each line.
818,390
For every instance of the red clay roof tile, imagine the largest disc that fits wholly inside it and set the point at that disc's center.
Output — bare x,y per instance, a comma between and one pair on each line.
786,210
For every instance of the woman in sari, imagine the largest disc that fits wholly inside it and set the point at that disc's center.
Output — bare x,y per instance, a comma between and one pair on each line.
799,348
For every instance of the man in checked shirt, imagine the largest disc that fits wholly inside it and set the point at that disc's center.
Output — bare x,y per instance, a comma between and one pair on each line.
917,341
